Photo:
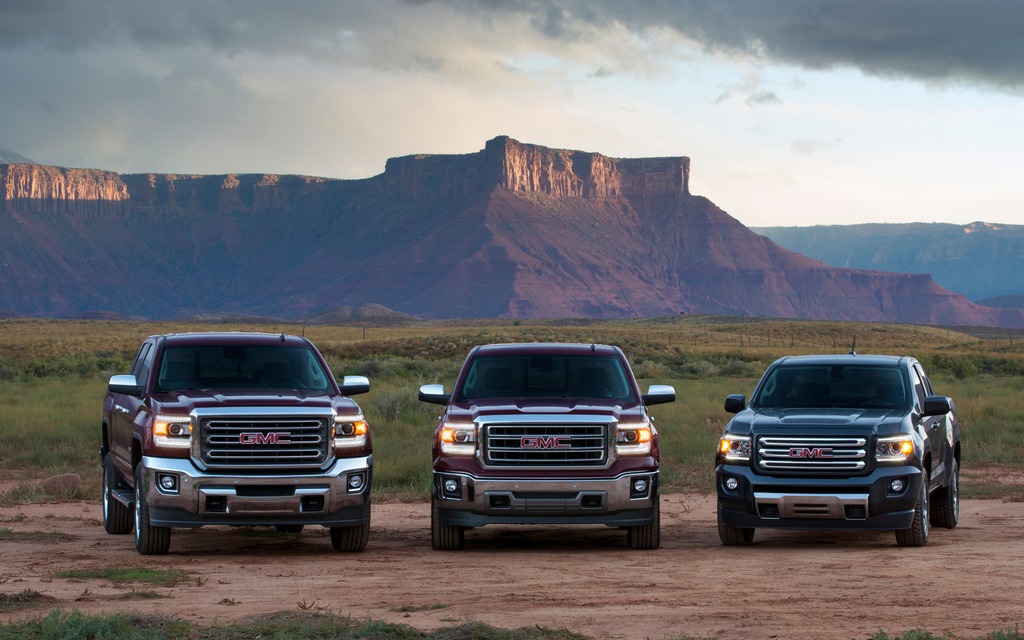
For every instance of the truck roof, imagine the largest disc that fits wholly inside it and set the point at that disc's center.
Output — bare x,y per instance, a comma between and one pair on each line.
229,338
842,358
545,348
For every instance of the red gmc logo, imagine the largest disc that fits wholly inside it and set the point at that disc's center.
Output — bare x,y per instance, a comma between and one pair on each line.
265,438
806,452
540,442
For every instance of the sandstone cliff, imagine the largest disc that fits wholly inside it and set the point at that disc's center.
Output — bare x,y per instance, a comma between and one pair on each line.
514,230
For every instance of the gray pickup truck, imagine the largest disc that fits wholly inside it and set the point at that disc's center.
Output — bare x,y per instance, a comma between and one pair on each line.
839,442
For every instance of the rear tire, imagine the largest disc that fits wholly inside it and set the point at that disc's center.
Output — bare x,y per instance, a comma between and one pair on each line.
945,502
352,539
733,536
647,536
149,540
917,534
444,537
117,518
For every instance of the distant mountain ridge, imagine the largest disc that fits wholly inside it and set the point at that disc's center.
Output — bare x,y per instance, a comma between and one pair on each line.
514,230
10,157
981,260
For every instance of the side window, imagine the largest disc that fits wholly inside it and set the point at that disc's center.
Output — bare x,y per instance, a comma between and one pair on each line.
140,359
147,363
924,379
919,390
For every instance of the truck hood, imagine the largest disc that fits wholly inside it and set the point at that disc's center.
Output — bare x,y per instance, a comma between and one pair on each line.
187,400
470,411
884,421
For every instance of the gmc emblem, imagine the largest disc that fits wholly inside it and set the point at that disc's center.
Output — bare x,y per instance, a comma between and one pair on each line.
540,442
265,438
808,453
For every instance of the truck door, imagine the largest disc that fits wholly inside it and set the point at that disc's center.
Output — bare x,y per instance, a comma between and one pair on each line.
125,410
935,427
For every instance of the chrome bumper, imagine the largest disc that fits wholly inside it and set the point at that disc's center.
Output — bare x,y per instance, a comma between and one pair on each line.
612,501
202,498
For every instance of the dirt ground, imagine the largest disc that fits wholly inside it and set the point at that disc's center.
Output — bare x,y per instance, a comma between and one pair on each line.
793,585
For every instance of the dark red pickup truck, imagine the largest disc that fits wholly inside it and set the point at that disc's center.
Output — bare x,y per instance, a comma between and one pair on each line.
545,434
234,429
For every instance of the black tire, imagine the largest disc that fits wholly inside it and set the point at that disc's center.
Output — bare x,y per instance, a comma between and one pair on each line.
290,528
647,536
444,537
149,540
733,536
917,534
945,502
117,518
352,539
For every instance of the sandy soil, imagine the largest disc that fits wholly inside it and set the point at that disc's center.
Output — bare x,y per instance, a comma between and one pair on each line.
799,585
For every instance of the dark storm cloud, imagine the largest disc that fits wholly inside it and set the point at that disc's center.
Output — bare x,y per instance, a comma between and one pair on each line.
918,38
932,40
227,26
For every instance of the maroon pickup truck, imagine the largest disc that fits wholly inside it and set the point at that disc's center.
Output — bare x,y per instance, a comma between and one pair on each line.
545,434
234,429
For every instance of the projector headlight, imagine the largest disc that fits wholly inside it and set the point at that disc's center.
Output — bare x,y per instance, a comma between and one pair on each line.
172,431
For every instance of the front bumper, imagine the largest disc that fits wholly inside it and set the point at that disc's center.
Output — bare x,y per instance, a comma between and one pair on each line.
201,499
614,502
864,502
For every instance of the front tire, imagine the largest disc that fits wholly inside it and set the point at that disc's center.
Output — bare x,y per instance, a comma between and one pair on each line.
149,540
352,539
444,537
917,534
647,536
945,502
733,536
117,518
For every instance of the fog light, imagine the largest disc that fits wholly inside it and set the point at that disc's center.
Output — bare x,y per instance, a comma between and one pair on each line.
355,482
732,484
451,485
641,488
168,482
897,485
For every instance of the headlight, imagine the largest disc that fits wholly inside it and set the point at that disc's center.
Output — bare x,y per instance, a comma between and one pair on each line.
634,439
172,431
735,448
349,431
458,438
893,449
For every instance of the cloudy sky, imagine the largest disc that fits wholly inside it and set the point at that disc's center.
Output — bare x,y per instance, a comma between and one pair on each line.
793,112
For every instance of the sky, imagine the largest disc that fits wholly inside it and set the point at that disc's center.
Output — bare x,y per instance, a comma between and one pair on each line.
792,112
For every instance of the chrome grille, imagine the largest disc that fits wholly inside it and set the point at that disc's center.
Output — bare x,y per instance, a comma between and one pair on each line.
527,444
797,454
264,442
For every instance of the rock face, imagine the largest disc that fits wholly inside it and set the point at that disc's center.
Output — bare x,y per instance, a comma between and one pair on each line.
514,230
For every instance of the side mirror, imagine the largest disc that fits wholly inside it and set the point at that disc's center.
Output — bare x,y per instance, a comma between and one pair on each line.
659,394
434,394
937,405
735,402
354,385
126,384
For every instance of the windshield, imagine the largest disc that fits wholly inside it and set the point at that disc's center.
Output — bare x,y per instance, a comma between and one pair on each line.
241,367
541,376
846,386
